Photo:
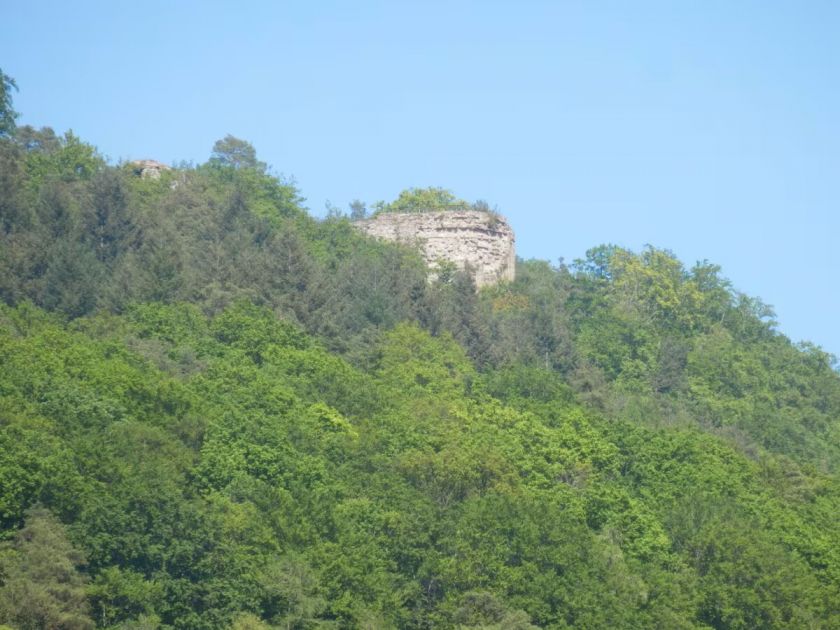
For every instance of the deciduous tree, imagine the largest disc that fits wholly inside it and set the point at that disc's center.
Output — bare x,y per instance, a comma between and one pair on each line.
7,113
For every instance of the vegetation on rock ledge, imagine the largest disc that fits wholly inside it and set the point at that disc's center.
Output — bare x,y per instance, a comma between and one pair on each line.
415,200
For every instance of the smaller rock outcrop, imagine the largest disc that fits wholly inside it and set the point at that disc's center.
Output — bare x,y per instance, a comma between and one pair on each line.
149,169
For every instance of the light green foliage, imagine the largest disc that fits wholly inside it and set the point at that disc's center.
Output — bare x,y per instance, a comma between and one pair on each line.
412,361
431,199
248,621
654,287
67,159
276,484
255,331
7,112
119,595
35,466
42,586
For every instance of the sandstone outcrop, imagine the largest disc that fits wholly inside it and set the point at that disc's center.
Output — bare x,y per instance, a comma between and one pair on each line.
482,242
149,169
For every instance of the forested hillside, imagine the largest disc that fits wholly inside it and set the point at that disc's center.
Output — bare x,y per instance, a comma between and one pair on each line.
217,411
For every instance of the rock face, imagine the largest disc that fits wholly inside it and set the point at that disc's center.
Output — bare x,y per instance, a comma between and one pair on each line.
480,241
149,169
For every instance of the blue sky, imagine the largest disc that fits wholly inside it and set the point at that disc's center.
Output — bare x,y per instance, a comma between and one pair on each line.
708,128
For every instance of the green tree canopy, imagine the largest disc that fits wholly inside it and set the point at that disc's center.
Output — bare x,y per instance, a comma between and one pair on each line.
7,113
42,586
236,153
429,199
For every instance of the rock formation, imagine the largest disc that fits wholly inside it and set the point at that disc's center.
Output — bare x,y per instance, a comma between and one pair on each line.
482,242
149,169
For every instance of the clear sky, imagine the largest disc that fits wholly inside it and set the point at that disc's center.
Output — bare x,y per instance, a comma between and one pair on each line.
708,128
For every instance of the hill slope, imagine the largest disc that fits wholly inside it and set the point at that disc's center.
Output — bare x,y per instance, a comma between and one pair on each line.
216,410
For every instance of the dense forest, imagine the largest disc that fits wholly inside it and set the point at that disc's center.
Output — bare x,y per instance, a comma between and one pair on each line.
219,412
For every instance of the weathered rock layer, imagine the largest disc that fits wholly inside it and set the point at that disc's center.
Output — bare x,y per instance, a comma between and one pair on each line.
479,241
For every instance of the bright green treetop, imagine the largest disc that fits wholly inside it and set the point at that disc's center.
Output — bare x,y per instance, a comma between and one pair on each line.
7,113
431,199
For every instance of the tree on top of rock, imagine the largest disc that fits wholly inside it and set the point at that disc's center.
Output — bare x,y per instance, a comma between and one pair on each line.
431,199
